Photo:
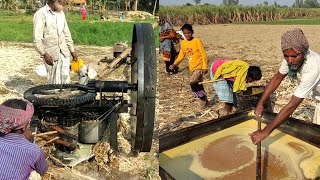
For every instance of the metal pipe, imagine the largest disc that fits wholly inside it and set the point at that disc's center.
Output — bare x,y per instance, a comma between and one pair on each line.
114,86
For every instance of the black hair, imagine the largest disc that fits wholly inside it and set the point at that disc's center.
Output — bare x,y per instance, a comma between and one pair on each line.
16,104
187,26
255,73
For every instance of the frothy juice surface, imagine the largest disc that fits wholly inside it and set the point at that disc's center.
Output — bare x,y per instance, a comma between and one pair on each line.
230,154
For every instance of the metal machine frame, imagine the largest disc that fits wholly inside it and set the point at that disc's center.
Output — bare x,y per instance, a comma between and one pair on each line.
142,89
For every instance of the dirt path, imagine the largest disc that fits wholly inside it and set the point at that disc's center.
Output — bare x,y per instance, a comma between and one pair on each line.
257,44
18,62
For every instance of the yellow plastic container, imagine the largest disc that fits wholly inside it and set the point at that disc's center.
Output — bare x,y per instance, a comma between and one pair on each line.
77,65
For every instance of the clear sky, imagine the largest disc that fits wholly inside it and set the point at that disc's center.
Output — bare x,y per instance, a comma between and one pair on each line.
219,2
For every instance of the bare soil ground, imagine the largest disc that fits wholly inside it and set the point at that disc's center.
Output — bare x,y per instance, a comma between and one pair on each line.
18,62
256,44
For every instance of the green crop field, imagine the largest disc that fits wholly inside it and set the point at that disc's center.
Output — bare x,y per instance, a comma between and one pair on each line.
18,28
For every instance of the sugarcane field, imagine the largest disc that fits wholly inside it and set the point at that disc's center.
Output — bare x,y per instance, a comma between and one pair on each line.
159,89
253,134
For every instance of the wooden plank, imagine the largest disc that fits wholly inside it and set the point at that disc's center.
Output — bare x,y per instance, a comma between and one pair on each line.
115,62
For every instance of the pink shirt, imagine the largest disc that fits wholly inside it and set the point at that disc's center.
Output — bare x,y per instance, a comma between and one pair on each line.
217,63
83,10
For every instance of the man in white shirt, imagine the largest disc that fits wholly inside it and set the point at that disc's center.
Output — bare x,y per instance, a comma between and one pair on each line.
53,41
297,58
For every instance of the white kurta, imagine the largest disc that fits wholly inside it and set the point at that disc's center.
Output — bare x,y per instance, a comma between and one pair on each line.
52,35
59,73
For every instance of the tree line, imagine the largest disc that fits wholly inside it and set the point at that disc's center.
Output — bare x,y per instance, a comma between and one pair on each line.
104,5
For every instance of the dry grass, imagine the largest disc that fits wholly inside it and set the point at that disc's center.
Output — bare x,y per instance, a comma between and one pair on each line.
258,45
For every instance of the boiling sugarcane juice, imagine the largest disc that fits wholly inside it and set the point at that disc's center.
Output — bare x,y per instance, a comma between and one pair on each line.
230,154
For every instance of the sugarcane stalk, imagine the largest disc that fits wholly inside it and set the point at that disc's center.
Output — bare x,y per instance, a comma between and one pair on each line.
211,81
46,133
258,160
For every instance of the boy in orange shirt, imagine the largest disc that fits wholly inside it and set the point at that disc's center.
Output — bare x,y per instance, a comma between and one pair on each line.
192,48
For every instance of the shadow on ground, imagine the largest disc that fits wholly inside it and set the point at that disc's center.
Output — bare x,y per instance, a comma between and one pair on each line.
20,84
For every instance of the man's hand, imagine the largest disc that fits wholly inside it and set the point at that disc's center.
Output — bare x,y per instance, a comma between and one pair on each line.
258,111
161,39
258,136
172,67
48,59
204,71
74,56
28,134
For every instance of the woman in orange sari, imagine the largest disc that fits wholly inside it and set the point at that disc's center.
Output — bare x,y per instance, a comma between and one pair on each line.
168,37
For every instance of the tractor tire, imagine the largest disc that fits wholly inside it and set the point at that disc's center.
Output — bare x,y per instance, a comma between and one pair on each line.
72,101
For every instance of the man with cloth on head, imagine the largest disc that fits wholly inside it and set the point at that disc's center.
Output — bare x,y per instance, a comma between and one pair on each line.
19,157
298,58
53,41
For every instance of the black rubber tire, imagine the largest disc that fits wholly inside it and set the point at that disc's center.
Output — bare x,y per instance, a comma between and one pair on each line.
30,95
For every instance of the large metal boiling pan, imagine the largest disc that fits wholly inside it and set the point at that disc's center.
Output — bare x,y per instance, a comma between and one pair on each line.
304,131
